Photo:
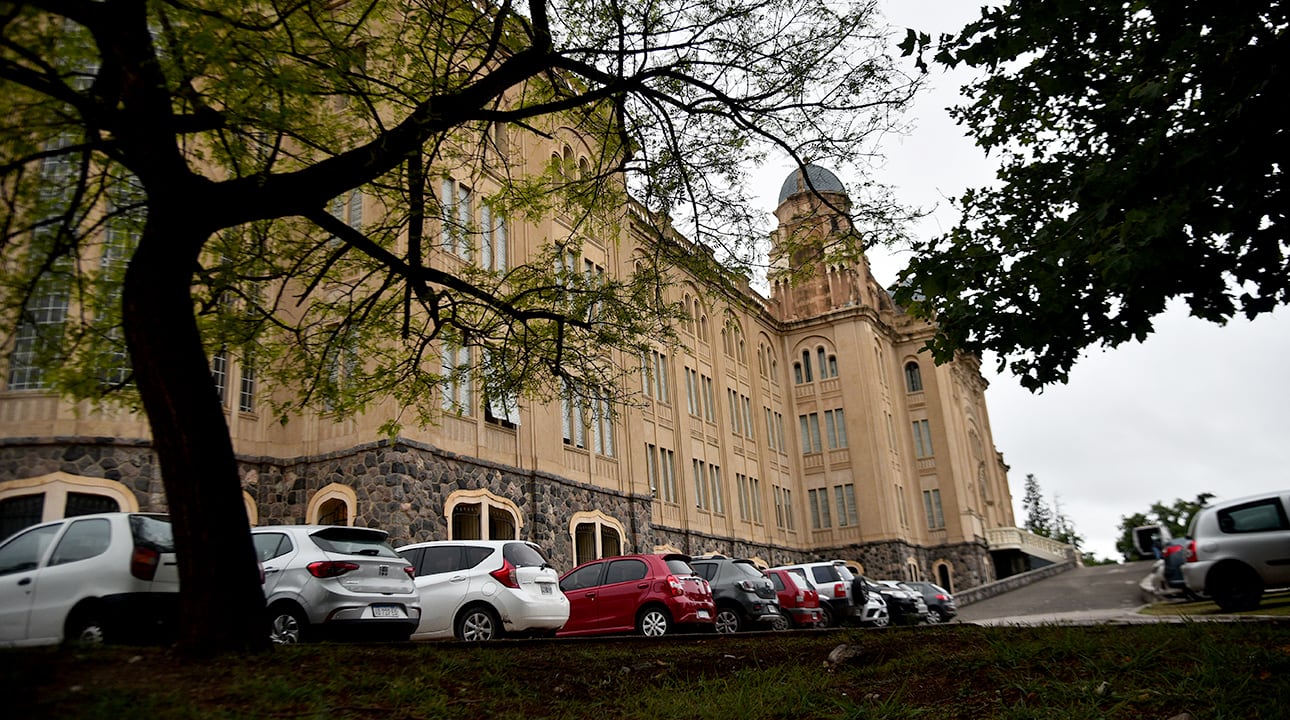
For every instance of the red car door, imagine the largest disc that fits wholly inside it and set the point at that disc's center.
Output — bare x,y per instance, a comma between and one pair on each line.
625,588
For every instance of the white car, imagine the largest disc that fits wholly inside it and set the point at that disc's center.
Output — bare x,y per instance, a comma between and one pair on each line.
1238,548
482,589
89,579
334,580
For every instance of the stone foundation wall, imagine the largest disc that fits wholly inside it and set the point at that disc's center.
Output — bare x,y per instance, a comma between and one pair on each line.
402,488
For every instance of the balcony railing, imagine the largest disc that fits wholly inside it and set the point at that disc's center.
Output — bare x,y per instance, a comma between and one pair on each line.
1011,538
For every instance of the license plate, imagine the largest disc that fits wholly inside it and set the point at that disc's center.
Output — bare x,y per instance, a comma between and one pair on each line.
546,588
702,614
386,611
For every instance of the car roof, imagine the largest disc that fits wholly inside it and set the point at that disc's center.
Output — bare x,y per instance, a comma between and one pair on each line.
476,543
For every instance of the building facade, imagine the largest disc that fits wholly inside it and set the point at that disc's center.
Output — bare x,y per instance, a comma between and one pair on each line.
801,425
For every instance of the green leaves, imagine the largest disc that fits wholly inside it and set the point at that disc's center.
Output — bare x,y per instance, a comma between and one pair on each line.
1142,159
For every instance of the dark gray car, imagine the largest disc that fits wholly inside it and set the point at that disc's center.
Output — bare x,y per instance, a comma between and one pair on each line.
744,596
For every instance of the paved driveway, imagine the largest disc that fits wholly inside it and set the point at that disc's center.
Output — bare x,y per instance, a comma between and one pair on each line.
1105,593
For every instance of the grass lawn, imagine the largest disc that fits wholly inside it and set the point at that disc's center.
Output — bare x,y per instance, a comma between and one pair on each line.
1211,670
1274,604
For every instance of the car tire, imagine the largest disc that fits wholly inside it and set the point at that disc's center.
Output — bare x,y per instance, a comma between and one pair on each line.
882,621
288,625
728,621
84,628
478,624
653,622
781,621
830,620
934,617
1236,589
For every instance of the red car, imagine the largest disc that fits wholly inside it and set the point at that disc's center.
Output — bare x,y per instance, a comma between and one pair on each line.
799,605
646,594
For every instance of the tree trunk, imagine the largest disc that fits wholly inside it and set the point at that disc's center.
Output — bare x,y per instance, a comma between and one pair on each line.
221,599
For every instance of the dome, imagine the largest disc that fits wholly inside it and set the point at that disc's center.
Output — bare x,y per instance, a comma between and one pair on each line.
822,180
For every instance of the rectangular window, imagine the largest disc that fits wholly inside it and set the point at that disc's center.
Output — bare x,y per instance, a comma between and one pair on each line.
778,494
575,420
741,486
492,245
770,429
748,421
667,474
246,393
754,486
844,499
922,439
820,515
932,507
654,369
810,427
455,369
709,399
692,391
718,502
602,426
700,484
788,509
219,373
836,426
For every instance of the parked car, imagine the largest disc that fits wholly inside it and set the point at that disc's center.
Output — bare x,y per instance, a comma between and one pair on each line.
335,581
109,577
745,597
648,594
799,604
874,612
482,589
940,603
1239,548
835,593
905,605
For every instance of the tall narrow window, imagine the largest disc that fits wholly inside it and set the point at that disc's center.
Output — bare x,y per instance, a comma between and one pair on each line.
718,502
835,425
806,366
810,427
455,367
219,373
492,243
922,439
913,377
844,499
932,507
246,393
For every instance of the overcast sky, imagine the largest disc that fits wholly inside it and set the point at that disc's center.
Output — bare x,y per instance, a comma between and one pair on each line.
1196,408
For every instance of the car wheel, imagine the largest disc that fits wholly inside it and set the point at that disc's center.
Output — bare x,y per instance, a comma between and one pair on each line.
654,622
84,628
882,621
934,617
478,624
830,620
287,625
781,622
1237,590
728,621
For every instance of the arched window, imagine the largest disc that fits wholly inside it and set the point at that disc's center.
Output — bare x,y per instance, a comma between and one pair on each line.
335,504
806,366
481,515
797,373
30,501
945,576
913,377
595,535
703,327
823,362
833,366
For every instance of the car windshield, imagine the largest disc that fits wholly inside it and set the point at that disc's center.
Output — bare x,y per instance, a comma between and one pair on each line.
353,541
523,555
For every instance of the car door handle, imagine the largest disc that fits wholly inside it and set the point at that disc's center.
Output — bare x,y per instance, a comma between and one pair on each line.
25,581
271,570
642,586
589,595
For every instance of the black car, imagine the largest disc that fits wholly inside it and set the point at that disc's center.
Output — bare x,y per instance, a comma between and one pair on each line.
744,596
906,607
940,603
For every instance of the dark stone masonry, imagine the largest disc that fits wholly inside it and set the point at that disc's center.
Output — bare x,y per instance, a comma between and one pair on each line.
402,487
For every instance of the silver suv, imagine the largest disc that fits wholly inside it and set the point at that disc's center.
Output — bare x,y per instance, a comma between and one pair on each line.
1238,548
89,579
332,579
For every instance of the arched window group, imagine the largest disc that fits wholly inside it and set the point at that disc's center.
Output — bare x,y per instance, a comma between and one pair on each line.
595,535
819,362
481,515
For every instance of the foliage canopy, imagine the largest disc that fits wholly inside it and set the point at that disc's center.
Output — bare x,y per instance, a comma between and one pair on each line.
1143,154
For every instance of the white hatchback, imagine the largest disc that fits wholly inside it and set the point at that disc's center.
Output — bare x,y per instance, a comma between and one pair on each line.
482,589
89,578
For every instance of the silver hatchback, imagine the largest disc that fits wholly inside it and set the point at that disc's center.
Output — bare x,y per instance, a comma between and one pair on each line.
327,580
1238,548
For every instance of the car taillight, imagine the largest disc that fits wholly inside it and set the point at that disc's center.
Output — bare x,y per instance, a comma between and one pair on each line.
1191,551
411,571
746,586
800,597
144,562
506,575
330,568
941,597
839,590
674,586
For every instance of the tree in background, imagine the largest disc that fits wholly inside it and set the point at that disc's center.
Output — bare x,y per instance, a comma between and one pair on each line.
1064,528
179,179
1176,517
1143,158
1039,517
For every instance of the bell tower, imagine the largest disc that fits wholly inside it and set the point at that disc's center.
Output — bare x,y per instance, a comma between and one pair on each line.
816,261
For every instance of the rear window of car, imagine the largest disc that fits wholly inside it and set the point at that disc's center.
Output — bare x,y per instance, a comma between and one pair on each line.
153,531
826,573
353,541
706,570
523,555
1260,516
746,568
677,566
